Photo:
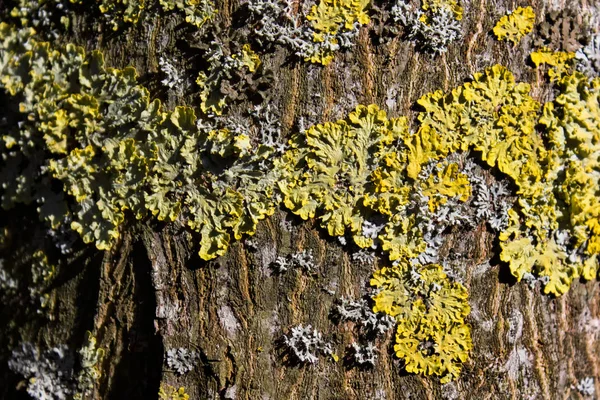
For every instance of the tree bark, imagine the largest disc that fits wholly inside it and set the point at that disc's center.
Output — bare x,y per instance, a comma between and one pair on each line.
152,292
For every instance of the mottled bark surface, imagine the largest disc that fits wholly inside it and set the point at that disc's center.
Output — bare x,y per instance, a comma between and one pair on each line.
152,292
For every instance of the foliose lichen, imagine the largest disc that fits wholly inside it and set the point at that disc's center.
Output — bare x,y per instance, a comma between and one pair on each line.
561,62
52,374
359,311
305,344
586,386
329,26
48,17
227,73
182,360
588,57
49,374
119,13
432,336
516,24
90,357
116,153
168,392
197,12
303,260
364,355
434,26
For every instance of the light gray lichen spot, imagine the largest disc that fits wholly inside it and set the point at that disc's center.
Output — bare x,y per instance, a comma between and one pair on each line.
231,392
518,360
228,320
515,328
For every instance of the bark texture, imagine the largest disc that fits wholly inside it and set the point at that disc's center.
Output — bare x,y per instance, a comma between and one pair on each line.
152,292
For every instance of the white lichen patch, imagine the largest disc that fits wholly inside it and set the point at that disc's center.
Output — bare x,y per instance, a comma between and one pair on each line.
228,320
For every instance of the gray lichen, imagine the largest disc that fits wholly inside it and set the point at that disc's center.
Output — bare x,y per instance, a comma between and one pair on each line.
49,374
306,344
491,201
361,313
182,360
586,386
588,57
303,260
276,23
363,256
434,36
364,355
173,77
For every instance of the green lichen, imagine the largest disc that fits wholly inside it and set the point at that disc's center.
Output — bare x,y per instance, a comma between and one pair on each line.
197,12
96,131
121,13
224,69
513,26
89,373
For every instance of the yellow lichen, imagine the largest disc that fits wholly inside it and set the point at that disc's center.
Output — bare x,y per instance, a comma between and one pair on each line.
448,182
512,27
168,392
123,12
553,230
197,12
329,18
432,336
435,5
212,99
115,152
248,58
560,61
340,168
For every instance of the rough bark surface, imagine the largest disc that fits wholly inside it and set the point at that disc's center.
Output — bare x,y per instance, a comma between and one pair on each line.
152,292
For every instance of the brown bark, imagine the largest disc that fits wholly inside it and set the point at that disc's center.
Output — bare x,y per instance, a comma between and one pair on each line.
152,293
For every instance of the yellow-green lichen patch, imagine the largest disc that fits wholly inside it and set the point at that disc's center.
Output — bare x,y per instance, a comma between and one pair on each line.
168,392
330,18
95,131
432,337
447,182
224,70
80,112
561,62
551,232
512,27
197,12
362,177
90,358
435,5
493,115
346,171
572,124
120,13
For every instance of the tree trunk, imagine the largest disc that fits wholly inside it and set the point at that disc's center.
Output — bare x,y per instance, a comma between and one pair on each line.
152,292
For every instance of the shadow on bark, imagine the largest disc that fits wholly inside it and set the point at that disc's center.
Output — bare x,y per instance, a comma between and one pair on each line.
139,370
